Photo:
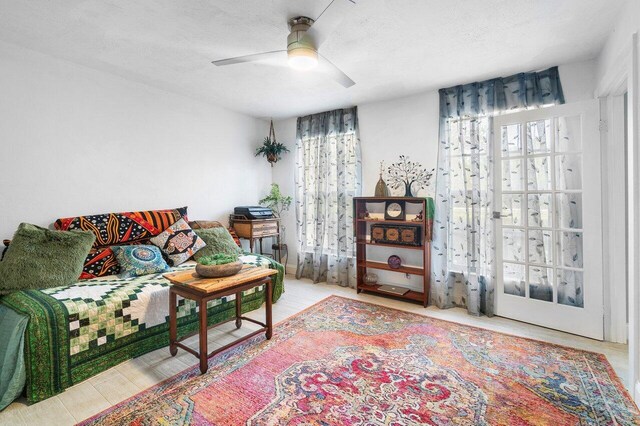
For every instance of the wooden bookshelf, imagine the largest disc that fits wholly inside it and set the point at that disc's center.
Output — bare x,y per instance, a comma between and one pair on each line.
397,222
362,226
369,243
412,270
414,296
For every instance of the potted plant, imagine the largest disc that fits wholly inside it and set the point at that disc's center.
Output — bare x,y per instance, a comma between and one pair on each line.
271,148
218,265
278,203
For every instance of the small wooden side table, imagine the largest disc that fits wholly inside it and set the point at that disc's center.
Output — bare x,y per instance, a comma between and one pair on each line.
191,286
255,229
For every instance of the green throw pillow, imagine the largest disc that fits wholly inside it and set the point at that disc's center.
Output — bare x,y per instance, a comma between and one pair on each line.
217,240
41,258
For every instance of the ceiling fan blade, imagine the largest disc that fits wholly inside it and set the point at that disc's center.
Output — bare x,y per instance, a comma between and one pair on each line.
336,73
248,58
328,21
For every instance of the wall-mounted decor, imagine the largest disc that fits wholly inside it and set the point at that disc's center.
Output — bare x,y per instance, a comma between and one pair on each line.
407,235
409,176
381,187
394,210
394,262
270,148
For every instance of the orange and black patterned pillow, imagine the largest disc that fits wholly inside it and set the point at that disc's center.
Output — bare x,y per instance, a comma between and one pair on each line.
115,229
235,236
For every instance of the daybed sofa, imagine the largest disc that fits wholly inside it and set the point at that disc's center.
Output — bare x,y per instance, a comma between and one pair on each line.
77,331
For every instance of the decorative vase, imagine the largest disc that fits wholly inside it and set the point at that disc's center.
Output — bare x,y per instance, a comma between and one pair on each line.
381,188
370,278
407,190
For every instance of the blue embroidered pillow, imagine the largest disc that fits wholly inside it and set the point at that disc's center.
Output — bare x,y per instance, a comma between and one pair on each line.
136,260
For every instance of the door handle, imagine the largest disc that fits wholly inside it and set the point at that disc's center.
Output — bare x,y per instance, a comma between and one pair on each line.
498,215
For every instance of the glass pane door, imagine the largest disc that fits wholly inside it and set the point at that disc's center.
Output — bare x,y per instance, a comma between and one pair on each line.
540,186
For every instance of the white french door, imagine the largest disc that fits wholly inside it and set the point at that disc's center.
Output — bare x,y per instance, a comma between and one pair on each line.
549,231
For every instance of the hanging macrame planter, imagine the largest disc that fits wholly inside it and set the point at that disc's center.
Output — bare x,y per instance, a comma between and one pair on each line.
270,148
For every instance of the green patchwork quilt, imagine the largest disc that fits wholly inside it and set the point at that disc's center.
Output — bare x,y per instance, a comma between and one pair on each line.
75,332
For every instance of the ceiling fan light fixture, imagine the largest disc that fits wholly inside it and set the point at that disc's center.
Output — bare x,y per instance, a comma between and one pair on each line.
302,44
302,54
303,59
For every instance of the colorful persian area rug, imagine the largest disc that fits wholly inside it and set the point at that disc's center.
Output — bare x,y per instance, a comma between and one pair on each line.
345,362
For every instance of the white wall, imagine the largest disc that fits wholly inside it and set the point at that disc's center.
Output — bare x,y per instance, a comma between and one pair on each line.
613,58
283,174
618,71
407,125
78,141
578,80
389,129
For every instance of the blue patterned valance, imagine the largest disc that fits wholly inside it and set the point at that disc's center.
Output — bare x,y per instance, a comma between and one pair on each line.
339,121
500,94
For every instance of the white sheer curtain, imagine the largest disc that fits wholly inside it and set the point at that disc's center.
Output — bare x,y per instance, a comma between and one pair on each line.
328,176
469,242
463,248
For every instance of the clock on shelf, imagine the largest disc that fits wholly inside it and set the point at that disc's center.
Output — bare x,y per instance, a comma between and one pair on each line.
394,210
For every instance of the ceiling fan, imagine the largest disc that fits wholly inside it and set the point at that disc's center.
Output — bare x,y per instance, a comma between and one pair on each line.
303,42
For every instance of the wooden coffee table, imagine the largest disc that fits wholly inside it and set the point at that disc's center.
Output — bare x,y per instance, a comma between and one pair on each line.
191,286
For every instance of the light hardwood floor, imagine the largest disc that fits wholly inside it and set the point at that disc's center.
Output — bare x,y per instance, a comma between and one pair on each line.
112,386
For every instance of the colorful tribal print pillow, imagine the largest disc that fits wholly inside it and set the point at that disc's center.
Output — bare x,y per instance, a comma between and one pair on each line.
178,242
118,228
139,260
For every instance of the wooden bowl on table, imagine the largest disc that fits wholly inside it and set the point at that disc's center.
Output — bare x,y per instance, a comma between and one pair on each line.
217,271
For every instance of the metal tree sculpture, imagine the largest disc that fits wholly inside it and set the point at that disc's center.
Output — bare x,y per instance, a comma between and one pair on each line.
406,173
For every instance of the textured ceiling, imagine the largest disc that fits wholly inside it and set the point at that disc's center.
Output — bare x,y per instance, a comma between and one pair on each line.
391,48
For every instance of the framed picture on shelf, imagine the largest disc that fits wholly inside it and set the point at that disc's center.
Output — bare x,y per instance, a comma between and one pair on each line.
409,235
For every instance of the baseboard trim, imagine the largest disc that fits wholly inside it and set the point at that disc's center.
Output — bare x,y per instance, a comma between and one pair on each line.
291,269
